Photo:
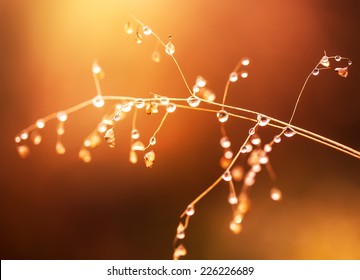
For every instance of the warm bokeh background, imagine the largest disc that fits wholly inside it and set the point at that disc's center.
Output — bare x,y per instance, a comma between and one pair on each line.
56,207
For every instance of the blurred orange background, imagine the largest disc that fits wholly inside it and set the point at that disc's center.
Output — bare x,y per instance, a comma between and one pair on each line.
56,207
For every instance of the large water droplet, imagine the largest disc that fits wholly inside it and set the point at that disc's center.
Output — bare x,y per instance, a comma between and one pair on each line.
40,123
152,141
200,82
338,58
170,48
316,72
222,116
139,103
164,100
149,159
232,199
171,107
262,120
147,30
225,142
289,132
275,194
62,116
190,210
227,176
233,77
325,61
135,134
193,101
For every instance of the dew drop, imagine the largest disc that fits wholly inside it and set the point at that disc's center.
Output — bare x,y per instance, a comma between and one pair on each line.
110,137
244,74
232,199
249,181
235,227
40,123
238,218
190,210
264,159
60,148
17,139
277,139
23,151
227,176
338,58
262,120
193,101
138,146
275,194
102,128
343,72
98,101
36,137
164,100
289,132
170,48
128,28
147,30
267,148
349,62
127,107
196,89
24,135
225,142
252,131
256,168
243,150
85,155
135,134
180,231
138,38
180,251
316,72
255,140
139,103
200,82
171,107
228,154
245,61
222,116
62,116
152,141
325,61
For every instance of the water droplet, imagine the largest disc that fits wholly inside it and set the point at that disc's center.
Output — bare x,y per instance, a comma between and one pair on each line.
338,58
262,120
24,135
110,137
117,117
248,147
349,62
60,129
118,106
289,132
227,176
128,28
40,123
133,157
222,116
190,210
275,194
245,61
135,134
277,139
235,227
17,139
138,146
180,251
98,101
147,30
255,140
102,128
232,199
252,131
97,71
23,151
193,101
200,82
60,148
152,141
170,48
138,38
171,107
249,180
149,159
325,61
164,100
256,168
155,56
343,72
316,72
244,74
237,173
180,231
36,137
243,150
127,107
85,155
264,159
196,89
139,103
228,154
62,116
238,217
225,142
267,148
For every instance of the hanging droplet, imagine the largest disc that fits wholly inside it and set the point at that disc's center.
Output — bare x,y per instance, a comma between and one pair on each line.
343,72
190,210
262,120
155,56
225,142
235,227
36,137
171,107
40,123
222,116
277,139
338,58
147,30
180,251
256,168
24,135
17,139
60,130
227,176
97,71
267,148
193,101
237,173
85,155
200,82
232,199
110,137
243,150
244,74
245,61
224,162
238,217
325,61
139,103
128,28
275,194
135,134
60,148
228,154
316,72
196,89
249,181
138,146
23,151
138,38
62,116
233,77
149,159
349,62
264,159
154,108
98,101
170,48
180,231
127,107
152,141
133,158
252,131
289,132
164,100
255,140
102,128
